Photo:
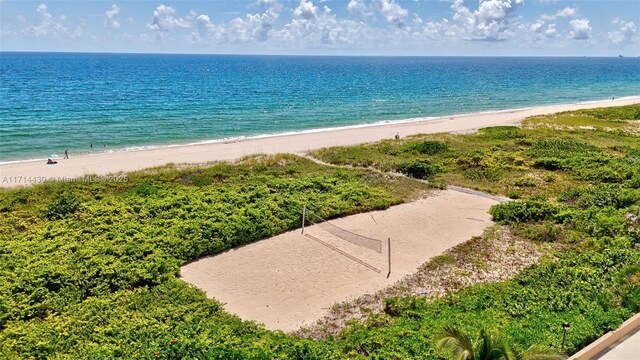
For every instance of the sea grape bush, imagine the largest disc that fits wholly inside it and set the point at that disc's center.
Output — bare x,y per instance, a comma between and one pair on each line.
418,169
523,211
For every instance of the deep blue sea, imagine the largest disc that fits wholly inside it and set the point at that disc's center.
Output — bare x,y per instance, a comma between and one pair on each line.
53,101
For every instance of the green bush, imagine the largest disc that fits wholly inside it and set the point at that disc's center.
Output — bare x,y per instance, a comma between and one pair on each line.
551,164
429,147
62,207
561,148
601,195
526,181
503,132
418,169
515,212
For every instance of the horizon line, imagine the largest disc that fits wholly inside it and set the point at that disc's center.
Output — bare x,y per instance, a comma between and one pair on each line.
312,55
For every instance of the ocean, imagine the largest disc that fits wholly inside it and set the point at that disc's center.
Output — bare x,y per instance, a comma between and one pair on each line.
87,103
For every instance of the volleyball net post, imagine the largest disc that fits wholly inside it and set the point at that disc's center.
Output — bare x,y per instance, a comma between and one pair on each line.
389,255
304,213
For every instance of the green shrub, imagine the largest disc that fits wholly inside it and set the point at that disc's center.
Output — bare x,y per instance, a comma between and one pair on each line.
601,195
551,164
561,148
526,181
62,208
418,169
429,147
515,212
503,132
145,189
629,287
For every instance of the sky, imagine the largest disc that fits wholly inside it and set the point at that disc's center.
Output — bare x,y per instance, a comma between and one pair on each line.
326,27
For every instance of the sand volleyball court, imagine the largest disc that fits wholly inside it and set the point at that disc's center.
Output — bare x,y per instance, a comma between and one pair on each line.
291,279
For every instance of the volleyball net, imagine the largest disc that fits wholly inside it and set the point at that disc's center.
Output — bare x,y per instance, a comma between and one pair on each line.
310,218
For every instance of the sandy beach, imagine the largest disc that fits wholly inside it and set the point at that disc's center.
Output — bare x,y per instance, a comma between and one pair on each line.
291,280
32,172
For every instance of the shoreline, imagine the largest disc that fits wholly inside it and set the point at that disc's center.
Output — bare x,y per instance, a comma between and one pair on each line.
33,171
240,138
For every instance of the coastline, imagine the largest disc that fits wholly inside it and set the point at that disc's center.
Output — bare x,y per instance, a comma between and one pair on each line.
30,172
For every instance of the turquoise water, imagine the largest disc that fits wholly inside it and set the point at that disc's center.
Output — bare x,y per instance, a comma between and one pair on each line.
55,101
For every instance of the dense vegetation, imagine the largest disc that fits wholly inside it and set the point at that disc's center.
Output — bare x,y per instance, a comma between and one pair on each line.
89,270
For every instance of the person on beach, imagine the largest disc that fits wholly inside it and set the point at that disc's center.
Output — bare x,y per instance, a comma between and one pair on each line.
66,153
51,162
91,146
397,136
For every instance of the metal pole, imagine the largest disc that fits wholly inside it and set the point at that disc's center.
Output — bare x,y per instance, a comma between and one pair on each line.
564,335
389,254
304,211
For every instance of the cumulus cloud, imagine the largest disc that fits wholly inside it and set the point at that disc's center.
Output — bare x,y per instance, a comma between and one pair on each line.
359,6
164,19
580,29
110,17
305,10
625,34
551,31
322,29
253,27
492,21
50,25
393,12
566,12
206,31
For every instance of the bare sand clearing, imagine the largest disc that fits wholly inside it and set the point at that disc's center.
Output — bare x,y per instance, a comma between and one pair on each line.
291,280
28,173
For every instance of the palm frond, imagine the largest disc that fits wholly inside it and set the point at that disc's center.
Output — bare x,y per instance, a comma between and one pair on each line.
456,342
492,347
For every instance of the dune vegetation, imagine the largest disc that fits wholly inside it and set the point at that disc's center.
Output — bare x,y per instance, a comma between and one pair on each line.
91,270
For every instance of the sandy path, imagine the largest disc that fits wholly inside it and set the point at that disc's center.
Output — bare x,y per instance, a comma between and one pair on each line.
290,280
28,173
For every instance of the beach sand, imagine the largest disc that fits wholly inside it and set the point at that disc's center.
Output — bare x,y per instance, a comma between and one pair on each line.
31,172
291,280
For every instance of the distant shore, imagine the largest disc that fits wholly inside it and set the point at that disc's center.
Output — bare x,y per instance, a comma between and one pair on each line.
78,168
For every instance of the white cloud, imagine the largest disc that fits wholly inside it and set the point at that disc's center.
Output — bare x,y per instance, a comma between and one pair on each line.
306,10
551,31
324,30
566,12
51,25
254,27
491,22
164,19
393,12
110,17
580,29
206,32
536,27
625,34
359,6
